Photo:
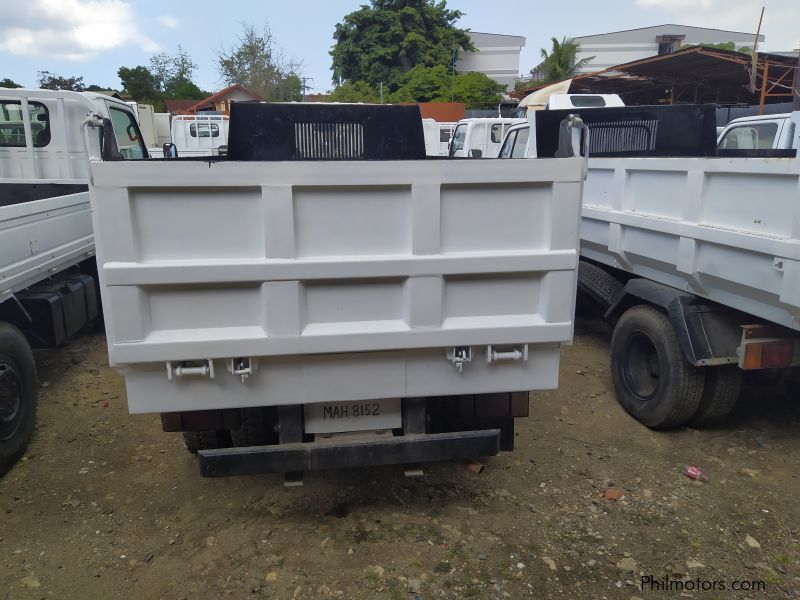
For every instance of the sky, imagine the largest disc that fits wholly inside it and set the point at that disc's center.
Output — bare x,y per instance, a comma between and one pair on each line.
93,38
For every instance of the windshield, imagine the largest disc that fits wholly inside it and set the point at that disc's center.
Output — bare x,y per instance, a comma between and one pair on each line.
521,143
126,132
505,151
459,136
587,101
750,137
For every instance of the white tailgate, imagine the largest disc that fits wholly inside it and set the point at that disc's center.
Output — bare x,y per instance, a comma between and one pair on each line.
341,280
727,229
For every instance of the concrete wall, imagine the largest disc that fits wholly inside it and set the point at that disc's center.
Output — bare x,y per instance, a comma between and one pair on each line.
497,57
611,49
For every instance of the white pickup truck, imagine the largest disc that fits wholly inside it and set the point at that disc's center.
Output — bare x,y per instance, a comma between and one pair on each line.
330,307
47,292
697,260
763,132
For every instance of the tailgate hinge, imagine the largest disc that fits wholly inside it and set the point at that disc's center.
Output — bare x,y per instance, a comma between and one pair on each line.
203,368
516,353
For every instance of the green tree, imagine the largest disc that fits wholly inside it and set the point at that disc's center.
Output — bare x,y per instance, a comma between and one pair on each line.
50,81
378,43
560,63
437,84
723,46
173,75
140,84
354,91
259,65
9,83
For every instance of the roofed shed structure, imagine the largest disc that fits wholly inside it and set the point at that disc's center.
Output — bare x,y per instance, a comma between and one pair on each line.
694,75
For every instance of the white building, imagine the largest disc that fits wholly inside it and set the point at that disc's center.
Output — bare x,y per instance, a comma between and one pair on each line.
619,47
497,56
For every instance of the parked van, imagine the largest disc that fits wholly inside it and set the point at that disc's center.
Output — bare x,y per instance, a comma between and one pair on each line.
480,138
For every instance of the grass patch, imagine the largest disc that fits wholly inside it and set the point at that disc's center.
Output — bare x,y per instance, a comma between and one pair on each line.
442,567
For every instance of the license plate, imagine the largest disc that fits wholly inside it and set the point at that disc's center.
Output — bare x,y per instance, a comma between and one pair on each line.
357,415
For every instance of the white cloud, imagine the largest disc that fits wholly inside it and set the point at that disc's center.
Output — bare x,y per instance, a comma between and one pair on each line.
70,29
676,4
168,21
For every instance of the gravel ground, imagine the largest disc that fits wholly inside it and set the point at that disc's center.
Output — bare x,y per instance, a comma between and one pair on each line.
106,505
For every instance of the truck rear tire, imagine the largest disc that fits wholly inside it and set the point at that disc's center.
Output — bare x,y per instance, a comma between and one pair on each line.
253,431
654,383
206,440
720,394
18,390
597,287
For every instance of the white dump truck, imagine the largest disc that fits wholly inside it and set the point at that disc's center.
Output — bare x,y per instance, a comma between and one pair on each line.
47,291
199,135
479,137
321,299
691,250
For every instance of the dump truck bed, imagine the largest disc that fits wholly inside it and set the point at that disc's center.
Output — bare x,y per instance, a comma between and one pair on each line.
302,282
726,229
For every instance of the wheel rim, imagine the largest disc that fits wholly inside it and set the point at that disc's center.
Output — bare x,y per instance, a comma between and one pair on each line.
10,398
642,369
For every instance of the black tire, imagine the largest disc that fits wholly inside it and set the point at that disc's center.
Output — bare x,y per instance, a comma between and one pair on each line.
18,392
720,394
654,383
256,428
206,440
597,287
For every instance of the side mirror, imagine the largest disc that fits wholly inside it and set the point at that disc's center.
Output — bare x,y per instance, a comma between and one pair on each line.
170,150
476,153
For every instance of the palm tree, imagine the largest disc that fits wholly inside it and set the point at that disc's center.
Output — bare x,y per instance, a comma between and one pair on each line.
560,62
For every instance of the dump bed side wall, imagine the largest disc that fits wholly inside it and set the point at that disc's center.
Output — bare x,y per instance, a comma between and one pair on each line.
42,237
727,229
345,280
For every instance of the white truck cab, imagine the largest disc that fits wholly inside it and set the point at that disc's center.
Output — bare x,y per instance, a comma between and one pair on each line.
561,101
481,137
437,136
199,135
48,291
764,132
40,134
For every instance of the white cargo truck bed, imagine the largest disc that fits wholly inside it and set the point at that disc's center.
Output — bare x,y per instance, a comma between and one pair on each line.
279,283
42,237
726,229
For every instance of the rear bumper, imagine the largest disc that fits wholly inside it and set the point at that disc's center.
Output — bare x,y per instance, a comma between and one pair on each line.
314,456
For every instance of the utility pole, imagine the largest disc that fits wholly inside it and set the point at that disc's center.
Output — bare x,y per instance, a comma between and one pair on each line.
453,74
304,85
796,92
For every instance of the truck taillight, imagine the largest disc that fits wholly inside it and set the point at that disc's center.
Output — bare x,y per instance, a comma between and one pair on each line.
768,355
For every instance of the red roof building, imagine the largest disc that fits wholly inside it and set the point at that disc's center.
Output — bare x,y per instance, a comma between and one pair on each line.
221,101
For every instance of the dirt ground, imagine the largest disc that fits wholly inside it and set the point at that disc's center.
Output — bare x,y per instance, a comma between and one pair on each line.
106,505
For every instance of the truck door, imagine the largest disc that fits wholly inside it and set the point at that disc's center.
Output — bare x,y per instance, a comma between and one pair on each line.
127,134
